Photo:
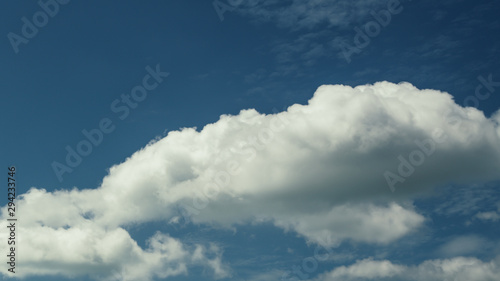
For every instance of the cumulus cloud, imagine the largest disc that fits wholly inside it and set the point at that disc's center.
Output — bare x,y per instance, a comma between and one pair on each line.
360,222
108,254
318,169
458,269
364,269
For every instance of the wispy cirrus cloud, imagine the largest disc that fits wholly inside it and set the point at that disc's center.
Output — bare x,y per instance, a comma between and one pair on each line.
296,15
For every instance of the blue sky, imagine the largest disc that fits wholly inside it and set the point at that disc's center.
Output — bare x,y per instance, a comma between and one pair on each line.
316,180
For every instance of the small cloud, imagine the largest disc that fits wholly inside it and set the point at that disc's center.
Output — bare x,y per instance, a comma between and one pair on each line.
488,216
463,246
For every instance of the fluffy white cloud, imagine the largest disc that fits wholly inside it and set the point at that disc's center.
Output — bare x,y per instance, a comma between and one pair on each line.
359,222
107,254
457,269
317,169
366,269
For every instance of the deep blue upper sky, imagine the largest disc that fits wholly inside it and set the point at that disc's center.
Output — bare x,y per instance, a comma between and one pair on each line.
66,77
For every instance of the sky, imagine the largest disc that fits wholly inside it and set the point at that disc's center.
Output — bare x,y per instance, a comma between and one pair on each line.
250,140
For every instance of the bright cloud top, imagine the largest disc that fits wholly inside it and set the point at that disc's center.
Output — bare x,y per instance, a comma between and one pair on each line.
458,269
319,170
